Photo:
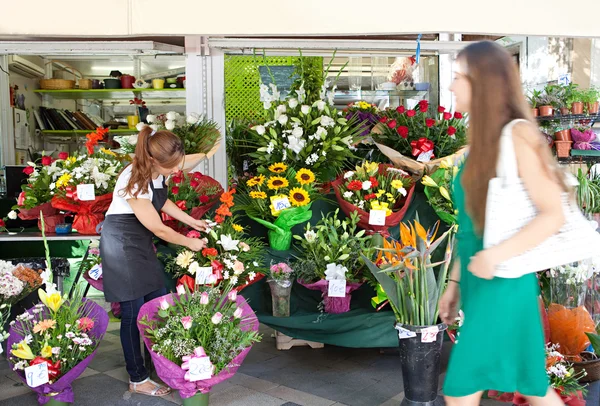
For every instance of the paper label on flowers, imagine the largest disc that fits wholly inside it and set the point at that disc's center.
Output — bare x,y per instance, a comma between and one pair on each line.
404,333
37,375
96,272
337,288
429,334
200,369
202,273
377,217
425,156
281,204
86,192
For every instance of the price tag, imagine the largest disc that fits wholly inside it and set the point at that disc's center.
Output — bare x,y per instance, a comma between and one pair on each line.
200,369
377,217
337,288
564,79
37,375
86,192
281,204
245,165
425,156
202,273
429,334
404,333
96,272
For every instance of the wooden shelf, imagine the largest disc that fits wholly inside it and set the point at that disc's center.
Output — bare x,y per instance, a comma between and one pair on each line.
74,94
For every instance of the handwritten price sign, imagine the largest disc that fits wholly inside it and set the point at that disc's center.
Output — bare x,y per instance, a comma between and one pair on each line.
377,217
337,288
281,204
404,333
429,334
200,369
202,273
37,375
86,192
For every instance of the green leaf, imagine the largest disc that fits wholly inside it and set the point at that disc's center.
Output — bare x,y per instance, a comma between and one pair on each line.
387,283
595,340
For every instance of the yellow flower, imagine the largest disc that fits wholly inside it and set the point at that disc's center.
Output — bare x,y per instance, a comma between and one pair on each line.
397,184
278,167
277,182
368,168
428,181
380,193
299,197
108,152
63,180
446,163
238,228
52,301
23,351
305,176
444,192
72,159
256,181
46,351
390,197
376,205
258,195
184,259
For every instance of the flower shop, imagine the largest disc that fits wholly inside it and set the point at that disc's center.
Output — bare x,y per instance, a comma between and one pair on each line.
333,223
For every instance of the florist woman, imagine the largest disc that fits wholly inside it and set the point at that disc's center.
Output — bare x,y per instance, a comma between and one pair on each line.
131,270
501,344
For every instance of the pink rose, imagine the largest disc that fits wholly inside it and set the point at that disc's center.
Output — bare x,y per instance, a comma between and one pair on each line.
164,305
180,290
238,313
238,267
204,298
232,295
187,322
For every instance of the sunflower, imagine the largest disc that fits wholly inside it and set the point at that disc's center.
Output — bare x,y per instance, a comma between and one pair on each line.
238,228
277,182
299,197
305,176
278,167
256,181
258,195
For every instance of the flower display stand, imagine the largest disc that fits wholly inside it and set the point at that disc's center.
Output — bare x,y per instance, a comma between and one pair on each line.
284,342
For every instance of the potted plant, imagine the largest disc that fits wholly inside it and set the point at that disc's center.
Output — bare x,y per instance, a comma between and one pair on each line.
545,103
407,276
558,101
562,134
575,100
533,99
590,99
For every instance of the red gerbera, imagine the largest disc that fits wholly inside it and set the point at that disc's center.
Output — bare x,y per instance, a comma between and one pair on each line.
370,196
355,185
374,182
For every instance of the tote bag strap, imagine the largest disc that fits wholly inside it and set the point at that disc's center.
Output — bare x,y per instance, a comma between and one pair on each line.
507,168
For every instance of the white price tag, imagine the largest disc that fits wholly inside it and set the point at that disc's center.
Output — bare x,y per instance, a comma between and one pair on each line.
337,288
564,79
96,272
425,156
200,369
202,273
429,334
377,217
281,204
245,165
404,333
37,375
86,192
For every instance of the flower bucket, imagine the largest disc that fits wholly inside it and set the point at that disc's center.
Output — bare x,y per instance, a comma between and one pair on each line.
199,399
333,305
280,295
54,402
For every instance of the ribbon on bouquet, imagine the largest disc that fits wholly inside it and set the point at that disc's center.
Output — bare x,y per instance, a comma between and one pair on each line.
198,353
421,146
335,271
72,193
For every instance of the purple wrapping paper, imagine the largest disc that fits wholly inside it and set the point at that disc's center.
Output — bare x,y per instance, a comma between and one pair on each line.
171,373
367,119
63,386
584,140
333,305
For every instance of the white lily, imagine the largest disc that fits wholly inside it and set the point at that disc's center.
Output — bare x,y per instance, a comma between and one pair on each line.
259,129
296,144
228,243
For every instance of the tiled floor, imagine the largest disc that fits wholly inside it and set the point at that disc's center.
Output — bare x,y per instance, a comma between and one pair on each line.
300,376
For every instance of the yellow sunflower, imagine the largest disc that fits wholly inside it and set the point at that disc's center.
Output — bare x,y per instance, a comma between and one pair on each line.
238,228
299,197
278,167
305,176
256,181
277,182
63,180
258,195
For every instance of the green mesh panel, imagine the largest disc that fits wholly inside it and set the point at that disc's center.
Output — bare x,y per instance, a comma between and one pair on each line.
242,83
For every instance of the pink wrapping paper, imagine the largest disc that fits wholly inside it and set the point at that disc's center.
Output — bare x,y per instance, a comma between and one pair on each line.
171,373
333,305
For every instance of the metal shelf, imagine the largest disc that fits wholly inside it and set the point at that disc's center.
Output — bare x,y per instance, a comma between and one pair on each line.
570,117
101,94
85,132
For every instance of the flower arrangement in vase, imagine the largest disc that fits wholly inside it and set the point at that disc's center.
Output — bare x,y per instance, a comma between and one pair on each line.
281,279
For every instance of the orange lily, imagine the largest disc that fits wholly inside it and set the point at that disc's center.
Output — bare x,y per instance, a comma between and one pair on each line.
227,198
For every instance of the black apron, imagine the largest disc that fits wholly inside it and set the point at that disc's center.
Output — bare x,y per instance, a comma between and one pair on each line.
130,267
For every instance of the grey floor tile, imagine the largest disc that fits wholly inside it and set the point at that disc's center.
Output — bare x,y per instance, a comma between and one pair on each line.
108,362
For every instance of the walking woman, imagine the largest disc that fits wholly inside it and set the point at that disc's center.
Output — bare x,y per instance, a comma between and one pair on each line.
131,271
501,344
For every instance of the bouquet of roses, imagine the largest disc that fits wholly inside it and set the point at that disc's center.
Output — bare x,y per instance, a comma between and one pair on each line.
365,113
279,198
375,187
95,176
330,259
198,339
563,380
193,193
304,136
412,139
228,256
439,187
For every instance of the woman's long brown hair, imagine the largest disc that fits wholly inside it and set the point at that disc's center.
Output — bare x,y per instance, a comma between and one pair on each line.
496,99
162,147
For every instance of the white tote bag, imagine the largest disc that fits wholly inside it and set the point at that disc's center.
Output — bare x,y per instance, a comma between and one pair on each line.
509,209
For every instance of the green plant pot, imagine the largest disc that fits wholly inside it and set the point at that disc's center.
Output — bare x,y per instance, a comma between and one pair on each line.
54,402
199,399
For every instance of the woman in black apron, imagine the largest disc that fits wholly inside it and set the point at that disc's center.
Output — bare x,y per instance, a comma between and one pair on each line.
131,271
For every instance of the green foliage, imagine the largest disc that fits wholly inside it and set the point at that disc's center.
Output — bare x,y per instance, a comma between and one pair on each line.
309,71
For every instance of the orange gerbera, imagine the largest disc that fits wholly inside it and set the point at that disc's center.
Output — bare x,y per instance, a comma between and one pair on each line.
44,325
223,210
227,198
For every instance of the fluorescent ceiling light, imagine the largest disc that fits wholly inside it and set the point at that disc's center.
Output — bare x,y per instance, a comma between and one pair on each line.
109,68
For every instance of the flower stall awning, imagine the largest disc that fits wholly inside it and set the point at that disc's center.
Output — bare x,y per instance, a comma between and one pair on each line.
310,17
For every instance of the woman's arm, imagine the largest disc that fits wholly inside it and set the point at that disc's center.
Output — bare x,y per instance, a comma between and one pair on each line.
544,192
147,215
172,210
